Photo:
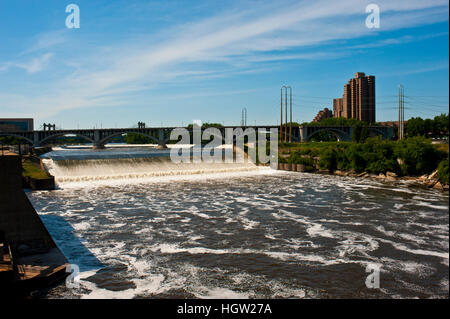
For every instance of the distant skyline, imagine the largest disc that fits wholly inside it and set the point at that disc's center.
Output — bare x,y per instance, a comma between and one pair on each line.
171,62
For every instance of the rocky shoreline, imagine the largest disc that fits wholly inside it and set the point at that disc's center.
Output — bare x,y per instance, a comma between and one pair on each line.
429,181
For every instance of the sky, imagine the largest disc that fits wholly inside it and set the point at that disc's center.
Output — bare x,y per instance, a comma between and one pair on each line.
167,63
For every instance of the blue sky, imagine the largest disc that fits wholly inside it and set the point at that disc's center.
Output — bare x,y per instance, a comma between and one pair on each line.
170,62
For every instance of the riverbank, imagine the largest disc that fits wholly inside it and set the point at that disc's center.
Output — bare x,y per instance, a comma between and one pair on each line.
34,175
414,160
429,181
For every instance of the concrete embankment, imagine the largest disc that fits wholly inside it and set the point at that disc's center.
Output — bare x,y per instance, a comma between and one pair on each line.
28,253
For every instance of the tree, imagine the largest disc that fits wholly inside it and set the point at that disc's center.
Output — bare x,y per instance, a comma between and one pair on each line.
415,127
133,138
440,124
360,132
418,155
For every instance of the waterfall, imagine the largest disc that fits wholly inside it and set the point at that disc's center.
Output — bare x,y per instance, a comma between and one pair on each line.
67,167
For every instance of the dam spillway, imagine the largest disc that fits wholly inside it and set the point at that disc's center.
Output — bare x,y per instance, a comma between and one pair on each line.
127,163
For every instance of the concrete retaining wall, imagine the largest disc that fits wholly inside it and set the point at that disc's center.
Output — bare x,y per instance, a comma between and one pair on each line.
22,226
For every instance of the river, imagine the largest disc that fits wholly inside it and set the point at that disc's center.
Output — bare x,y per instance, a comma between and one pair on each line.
244,232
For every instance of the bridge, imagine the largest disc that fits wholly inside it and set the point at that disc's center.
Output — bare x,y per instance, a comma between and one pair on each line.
161,135
344,133
99,137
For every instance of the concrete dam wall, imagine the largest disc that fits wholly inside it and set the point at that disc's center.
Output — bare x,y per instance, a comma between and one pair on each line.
34,254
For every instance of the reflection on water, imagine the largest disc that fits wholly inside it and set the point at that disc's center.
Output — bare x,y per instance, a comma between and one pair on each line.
256,234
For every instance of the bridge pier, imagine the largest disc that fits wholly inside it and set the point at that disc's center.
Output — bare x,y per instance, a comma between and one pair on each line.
36,139
98,146
161,141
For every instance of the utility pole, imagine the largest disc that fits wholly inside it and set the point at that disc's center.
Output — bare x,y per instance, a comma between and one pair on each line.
290,116
281,114
244,117
401,112
285,114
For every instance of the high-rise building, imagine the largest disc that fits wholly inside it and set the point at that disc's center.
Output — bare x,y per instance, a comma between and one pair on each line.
338,110
358,100
323,114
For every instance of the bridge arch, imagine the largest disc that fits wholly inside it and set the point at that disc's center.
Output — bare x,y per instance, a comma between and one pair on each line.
64,134
377,131
105,139
6,134
341,135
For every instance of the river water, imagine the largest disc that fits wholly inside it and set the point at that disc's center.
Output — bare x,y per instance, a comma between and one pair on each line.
247,233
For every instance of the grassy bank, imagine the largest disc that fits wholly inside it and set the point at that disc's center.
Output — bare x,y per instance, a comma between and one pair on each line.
414,156
33,170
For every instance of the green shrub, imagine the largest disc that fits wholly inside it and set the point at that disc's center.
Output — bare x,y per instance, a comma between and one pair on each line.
418,155
379,156
282,159
443,171
328,159
298,157
357,161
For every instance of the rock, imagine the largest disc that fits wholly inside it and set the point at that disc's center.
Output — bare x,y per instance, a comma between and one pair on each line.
366,175
433,175
430,184
438,185
391,178
381,176
339,173
391,174
361,174
423,177
445,187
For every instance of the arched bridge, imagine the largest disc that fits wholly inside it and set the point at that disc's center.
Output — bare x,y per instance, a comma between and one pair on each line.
99,137
343,133
161,135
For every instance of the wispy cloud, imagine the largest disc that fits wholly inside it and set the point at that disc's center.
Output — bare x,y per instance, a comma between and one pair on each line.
33,65
396,41
408,70
238,40
46,40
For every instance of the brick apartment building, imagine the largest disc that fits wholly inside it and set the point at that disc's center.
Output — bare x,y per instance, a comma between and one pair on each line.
358,100
323,114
